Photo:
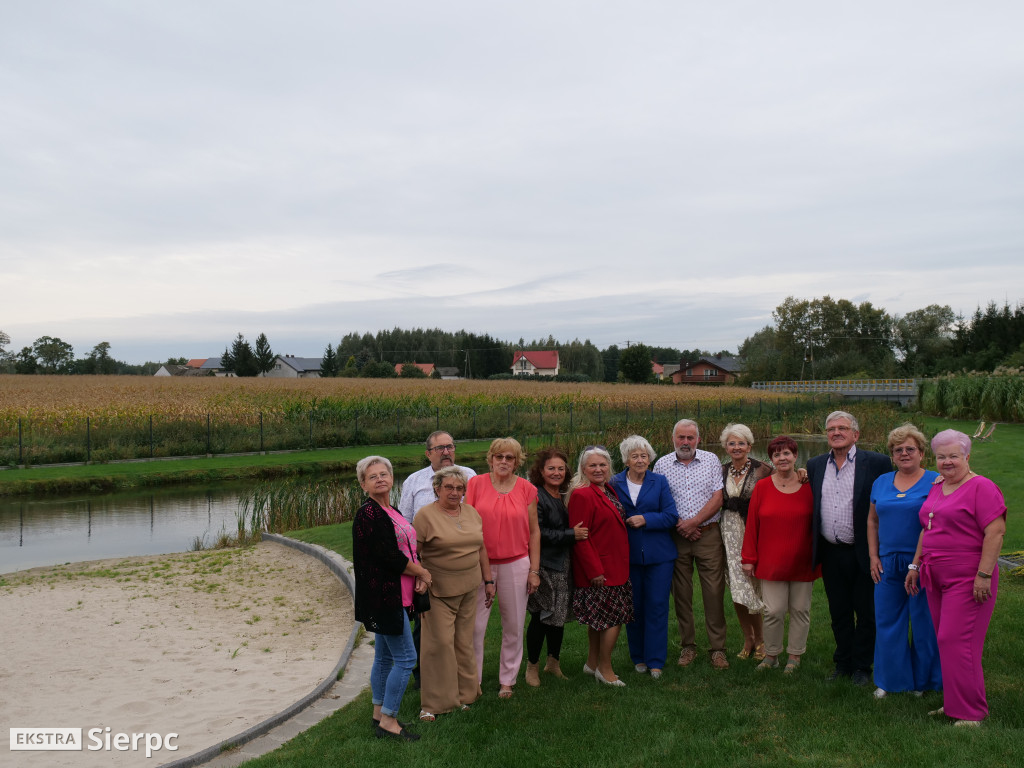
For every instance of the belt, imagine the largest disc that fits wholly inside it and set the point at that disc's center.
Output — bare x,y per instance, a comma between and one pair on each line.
709,525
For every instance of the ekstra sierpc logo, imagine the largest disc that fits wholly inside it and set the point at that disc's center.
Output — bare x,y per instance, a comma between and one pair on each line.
95,740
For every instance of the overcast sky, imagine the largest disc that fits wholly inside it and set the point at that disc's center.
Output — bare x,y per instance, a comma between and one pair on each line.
172,173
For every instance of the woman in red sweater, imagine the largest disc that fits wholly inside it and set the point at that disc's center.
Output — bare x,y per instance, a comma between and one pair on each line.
603,599
777,550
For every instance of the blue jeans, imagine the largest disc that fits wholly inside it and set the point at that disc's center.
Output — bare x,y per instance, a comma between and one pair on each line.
394,656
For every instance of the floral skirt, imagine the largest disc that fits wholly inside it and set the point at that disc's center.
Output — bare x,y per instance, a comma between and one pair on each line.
603,607
745,590
552,598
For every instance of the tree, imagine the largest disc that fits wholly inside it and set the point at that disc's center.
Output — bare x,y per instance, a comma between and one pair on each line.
7,357
239,359
922,337
375,370
264,355
635,364
53,355
99,361
25,361
329,363
412,371
176,361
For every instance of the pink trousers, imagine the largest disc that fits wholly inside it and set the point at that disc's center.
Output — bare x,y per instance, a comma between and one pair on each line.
510,580
960,627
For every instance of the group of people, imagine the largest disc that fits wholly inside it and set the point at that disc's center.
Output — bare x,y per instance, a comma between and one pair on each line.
908,555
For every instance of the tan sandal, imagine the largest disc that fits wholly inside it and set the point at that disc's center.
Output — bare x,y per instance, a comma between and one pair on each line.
427,717
505,692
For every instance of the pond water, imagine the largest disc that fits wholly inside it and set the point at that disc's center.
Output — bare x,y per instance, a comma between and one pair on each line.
54,530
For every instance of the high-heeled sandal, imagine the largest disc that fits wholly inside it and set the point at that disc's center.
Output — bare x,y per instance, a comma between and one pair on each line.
759,653
744,654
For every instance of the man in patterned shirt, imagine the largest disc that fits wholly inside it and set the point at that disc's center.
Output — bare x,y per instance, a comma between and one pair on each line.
695,478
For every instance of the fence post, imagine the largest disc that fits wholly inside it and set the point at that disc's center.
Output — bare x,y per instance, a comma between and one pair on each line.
398,422
355,434
207,434
151,435
508,417
542,417
627,412
474,422
437,414
600,423
21,456
311,430
88,439
719,406
698,407
570,417
759,406
778,401
261,431
677,411
652,410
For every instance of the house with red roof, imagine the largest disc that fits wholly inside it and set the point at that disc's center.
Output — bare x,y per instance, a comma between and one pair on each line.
535,363
427,368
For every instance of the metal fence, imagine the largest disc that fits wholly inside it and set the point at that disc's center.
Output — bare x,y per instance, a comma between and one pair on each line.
24,442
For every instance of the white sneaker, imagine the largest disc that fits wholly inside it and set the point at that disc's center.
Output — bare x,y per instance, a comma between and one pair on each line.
655,674
880,693
641,668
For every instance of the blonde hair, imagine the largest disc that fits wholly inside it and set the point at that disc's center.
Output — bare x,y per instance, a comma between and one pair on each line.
510,444
904,432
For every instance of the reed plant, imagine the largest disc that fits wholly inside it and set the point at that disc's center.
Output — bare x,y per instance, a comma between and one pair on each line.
996,396
284,505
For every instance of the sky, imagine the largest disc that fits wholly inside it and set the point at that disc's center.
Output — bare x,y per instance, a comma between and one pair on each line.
174,173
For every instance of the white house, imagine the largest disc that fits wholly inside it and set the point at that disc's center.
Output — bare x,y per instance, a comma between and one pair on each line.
529,363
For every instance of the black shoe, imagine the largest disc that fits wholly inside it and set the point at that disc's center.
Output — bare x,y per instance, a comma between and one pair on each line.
402,735
860,677
835,675
376,723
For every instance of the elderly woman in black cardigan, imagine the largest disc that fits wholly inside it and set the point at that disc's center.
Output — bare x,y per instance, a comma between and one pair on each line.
387,573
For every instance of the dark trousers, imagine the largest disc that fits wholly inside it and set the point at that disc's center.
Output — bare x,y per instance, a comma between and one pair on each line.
851,603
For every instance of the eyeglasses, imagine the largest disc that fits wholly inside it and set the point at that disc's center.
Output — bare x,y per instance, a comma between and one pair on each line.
839,429
504,457
905,449
450,448
595,447
459,488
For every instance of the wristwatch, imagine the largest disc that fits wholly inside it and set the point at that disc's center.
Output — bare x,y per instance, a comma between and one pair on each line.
913,567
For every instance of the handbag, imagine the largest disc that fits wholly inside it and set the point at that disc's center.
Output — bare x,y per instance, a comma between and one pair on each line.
420,603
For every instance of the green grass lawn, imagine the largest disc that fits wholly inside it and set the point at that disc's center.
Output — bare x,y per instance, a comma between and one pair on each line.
998,459
692,716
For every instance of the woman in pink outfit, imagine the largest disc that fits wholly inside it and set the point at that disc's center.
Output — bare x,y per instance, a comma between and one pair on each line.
963,521
508,508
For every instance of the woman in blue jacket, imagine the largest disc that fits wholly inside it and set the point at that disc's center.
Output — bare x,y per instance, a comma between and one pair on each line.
650,516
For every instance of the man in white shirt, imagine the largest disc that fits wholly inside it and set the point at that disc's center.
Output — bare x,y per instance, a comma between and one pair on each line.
695,479
418,488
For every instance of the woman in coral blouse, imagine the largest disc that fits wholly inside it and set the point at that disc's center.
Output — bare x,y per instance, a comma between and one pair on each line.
603,599
777,550
508,508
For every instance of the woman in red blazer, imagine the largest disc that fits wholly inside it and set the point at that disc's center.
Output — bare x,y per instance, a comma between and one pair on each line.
603,599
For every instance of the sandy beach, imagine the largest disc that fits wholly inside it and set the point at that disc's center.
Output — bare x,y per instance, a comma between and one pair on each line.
201,644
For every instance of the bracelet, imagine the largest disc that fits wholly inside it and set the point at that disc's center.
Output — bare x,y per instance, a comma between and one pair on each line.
491,581
913,567
536,573
985,575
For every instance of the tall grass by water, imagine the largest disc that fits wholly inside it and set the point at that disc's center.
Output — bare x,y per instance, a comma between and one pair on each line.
997,396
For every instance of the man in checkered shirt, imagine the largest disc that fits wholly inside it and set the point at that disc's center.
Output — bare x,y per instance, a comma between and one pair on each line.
695,478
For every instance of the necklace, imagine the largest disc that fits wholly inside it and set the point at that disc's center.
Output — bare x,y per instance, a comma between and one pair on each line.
738,473
456,518
498,486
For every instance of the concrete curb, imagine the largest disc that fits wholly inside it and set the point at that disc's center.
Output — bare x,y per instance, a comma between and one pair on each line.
339,566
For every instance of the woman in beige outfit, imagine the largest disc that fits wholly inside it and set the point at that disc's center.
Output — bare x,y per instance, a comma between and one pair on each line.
449,536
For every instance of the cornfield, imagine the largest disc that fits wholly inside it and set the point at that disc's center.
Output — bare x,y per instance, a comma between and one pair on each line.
49,419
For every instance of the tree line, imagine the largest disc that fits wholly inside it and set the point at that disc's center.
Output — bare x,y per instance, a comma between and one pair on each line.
826,338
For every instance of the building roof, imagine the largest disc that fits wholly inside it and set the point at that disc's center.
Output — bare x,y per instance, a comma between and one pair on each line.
195,362
301,364
657,368
537,358
211,364
427,368
727,363
448,371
